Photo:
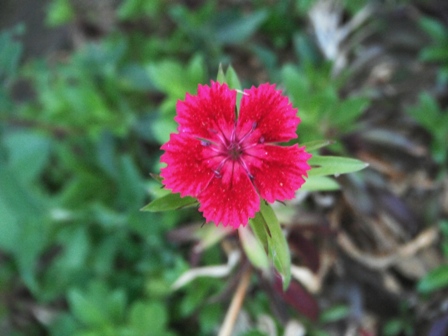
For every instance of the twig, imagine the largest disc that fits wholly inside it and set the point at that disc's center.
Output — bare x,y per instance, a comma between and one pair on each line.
423,240
235,305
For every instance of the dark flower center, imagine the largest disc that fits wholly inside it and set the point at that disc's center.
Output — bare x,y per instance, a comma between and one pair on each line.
231,147
234,151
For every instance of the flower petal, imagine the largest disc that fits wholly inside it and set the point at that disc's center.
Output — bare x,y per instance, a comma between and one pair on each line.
210,112
278,171
186,172
271,111
231,199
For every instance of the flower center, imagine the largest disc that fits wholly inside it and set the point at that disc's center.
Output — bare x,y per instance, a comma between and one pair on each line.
234,151
230,149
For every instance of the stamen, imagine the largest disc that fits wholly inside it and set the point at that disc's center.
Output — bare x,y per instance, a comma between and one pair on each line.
261,139
254,125
233,135
205,143
220,135
217,171
246,169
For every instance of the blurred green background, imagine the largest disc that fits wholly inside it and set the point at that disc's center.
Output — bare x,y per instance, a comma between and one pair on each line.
87,96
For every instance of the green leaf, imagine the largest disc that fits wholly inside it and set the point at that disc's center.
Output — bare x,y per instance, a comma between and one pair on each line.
174,78
76,246
148,318
434,28
268,231
85,309
313,145
334,314
434,280
26,147
10,52
169,202
258,226
221,77
434,54
59,12
393,327
229,77
233,30
348,111
10,237
253,248
232,79
334,165
320,183
22,202
132,9
426,112
162,127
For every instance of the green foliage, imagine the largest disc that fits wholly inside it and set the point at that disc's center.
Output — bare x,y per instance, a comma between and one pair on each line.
72,175
434,280
401,325
59,12
334,314
229,77
133,9
396,327
438,50
10,54
90,93
444,230
209,29
100,311
429,115
173,79
322,112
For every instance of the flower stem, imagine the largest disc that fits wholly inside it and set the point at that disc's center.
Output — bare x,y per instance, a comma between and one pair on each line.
235,305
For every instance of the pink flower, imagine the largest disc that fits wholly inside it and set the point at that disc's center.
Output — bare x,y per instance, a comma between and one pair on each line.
229,161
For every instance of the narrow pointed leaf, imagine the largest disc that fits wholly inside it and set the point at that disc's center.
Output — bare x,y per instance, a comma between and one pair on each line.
258,226
334,165
254,249
320,183
232,79
434,280
221,77
277,245
169,202
316,144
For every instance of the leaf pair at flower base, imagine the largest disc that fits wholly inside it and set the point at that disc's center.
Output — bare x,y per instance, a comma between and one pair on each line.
268,231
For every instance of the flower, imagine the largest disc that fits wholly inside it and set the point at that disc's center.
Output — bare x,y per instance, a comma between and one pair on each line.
228,160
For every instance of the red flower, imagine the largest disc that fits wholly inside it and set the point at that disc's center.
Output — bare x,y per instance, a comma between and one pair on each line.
229,161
